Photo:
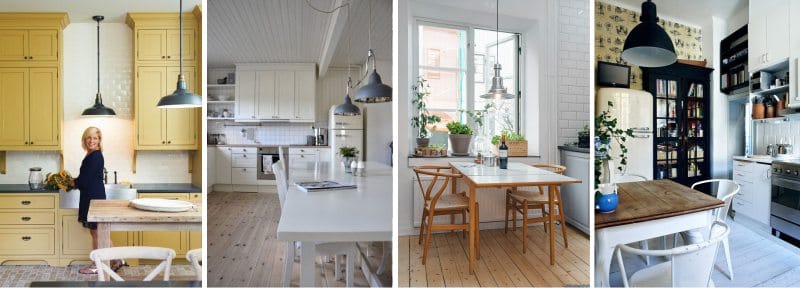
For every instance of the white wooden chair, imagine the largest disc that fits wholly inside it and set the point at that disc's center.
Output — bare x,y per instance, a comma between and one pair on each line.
631,177
726,189
349,249
99,256
194,257
688,266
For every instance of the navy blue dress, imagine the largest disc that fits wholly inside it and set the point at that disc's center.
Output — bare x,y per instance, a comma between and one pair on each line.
90,182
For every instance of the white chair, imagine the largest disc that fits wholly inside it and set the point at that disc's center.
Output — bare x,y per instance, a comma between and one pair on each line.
631,177
285,164
688,266
726,189
349,249
194,257
99,256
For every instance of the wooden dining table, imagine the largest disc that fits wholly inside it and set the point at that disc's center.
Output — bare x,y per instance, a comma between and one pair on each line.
648,209
117,215
478,176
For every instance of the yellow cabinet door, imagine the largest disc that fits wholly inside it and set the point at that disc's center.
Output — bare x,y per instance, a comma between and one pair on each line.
285,94
150,87
173,45
43,45
176,240
44,109
12,45
265,95
195,237
151,45
13,112
75,239
181,124
304,96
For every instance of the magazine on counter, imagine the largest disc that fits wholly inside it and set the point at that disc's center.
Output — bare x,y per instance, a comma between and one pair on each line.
314,186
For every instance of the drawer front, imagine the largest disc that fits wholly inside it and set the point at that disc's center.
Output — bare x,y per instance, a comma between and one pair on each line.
243,160
27,218
171,196
742,166
27,241
303,151
244,150
28,202
244,176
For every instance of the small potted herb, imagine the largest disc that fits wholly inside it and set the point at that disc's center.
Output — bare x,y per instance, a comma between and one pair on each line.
423,117
583,137
348,154
517,145
460,137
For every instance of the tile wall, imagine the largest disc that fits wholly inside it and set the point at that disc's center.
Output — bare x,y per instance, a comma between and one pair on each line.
573,72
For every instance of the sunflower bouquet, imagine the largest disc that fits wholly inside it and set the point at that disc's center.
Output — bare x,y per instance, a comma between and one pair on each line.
61,181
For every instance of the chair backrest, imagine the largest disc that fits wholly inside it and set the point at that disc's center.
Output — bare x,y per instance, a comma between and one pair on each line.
284,161
280,177
435,172
98,256
555,168
194,257
726,189
692,264
628,177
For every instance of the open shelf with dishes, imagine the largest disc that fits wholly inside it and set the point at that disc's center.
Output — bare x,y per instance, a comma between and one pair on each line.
221,101
733,71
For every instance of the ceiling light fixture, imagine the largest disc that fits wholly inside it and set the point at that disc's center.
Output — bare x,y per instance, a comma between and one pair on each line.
375,91
181,98
498,91
98,109
347,108
648,45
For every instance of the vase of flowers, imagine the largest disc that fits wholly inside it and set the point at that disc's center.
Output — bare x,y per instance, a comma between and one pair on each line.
68,196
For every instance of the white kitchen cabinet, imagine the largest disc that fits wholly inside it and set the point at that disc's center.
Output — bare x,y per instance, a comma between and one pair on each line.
768,33
576,196
223,162
793,101
324,154
244,176
211,166
275,92
753,199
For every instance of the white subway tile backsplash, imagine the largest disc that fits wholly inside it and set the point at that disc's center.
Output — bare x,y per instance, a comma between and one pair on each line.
573,71
266,133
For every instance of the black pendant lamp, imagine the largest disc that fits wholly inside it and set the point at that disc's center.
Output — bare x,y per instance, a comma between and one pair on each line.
498,91
375,91
648,45
181,98
98,109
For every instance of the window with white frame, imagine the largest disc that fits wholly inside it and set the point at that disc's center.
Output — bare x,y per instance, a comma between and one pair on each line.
457,62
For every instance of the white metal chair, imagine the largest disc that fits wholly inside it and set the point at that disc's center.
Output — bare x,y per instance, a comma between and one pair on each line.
631,177
688,266
99,256
194,257
726,189
349,249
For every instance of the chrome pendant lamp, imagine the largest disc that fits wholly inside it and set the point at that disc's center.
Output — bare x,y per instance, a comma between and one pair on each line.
347,108
375,91
498,91
98,109
648,45
181,98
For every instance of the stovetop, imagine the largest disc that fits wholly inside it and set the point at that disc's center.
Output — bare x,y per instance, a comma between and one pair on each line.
786,168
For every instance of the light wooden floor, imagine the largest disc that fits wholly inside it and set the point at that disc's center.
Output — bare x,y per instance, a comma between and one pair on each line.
759,260
243,249
502,262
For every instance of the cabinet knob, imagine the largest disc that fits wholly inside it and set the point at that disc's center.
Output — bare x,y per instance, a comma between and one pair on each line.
245,156
169,57
31,143
30,57
26,202
26,218
26,238
169,142
163,142
26,142
163,57
244,169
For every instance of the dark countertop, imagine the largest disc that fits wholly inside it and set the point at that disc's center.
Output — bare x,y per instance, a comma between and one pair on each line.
573,148
166,188
21,188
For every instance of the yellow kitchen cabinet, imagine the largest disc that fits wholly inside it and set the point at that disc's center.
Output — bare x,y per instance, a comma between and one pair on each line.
28,230
162,45
29,45
30,110
76,242
176,240
163,129
195,237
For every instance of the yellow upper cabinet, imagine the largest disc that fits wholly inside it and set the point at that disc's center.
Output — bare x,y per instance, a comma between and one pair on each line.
156,38
31,39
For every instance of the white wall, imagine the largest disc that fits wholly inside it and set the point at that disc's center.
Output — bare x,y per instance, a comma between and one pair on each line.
378,120
573,69
80,85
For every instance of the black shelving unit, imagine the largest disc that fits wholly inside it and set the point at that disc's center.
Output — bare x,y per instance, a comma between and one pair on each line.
681,119
733,62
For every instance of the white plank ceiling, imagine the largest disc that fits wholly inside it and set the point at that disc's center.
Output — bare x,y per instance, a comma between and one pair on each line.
285,31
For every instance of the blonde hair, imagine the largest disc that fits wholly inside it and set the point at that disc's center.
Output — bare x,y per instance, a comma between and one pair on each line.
87,133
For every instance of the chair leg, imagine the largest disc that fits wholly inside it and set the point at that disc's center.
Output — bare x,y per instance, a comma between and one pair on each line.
422,227
427,240
514,214
524,225
350,266
561,219
643,244
337,267
478,232
728,257
452,221
287,264
464,221
541,212
505,230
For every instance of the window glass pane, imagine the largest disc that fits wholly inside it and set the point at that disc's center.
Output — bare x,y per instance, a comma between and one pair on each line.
447,91
504,113
441,47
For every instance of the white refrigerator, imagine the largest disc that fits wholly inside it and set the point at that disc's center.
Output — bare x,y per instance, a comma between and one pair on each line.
345,131
633,109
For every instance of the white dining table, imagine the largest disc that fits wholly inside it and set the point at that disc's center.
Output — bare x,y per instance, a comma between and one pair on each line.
349,215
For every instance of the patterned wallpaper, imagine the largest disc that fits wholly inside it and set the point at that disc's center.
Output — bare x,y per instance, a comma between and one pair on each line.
612,25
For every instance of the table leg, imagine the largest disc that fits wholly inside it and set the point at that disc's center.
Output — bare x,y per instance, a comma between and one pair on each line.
472,226
604,250
104,239
308,252
551,192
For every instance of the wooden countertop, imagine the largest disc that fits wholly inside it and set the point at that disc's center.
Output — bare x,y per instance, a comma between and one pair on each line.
654,199
120,211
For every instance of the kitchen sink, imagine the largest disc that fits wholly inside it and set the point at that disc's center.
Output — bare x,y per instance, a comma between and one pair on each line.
71,199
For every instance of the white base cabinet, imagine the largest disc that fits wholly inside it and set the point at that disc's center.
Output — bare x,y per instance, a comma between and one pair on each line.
753,199
576,197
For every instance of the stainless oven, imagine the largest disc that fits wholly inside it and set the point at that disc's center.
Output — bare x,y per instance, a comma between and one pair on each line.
266,156
785,200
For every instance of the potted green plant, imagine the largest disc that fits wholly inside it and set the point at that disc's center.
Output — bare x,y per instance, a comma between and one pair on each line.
348,154
605,130
517,145
460,137
423,117
583,137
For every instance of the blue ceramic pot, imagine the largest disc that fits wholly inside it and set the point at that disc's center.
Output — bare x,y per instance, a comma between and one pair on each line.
607,203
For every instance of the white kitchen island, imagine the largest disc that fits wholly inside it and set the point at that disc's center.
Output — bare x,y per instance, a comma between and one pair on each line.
349,215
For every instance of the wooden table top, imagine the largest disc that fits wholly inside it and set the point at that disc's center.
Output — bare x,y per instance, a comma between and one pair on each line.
120,211
517,175
654,199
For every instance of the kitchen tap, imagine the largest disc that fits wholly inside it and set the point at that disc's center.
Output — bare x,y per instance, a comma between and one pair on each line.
115,177
105,176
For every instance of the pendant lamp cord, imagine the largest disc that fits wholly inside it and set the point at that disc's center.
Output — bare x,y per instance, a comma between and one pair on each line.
349,80
497,33
180,36
98,57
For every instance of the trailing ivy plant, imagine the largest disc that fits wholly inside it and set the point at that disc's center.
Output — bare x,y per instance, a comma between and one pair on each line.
424,117
605,128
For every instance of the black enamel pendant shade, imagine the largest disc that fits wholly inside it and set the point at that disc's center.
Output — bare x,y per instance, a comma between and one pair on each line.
648,45
98,109
182,97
